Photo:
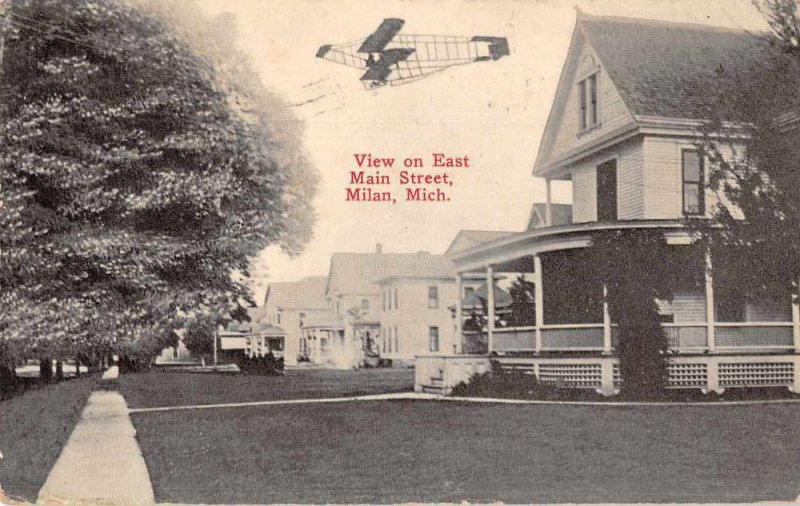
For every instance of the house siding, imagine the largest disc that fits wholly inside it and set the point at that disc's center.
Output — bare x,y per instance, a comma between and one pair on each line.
584,193
687,306
663,197
612,110
413,318
630,204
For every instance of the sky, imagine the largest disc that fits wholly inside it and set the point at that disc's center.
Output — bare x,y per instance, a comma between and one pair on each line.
492,112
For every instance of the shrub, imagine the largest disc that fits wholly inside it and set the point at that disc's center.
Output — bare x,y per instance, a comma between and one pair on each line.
515,384
267,365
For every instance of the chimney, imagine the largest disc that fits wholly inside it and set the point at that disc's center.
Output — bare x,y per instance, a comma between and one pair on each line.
378,248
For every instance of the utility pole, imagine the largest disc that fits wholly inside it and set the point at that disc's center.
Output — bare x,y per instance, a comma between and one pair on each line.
215,347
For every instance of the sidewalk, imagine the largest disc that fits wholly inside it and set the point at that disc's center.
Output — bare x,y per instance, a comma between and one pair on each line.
101,462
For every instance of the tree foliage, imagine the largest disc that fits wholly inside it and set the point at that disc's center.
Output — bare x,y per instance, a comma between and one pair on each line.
751,142
634,266
523,303
638,269
134,182
199,336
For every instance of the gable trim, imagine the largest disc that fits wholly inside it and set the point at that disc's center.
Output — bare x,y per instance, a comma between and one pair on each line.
563,91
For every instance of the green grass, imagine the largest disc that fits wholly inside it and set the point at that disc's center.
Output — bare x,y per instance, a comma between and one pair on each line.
155,388
34,427
402,451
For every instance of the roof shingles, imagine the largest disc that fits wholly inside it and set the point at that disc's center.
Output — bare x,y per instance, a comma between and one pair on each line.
669,69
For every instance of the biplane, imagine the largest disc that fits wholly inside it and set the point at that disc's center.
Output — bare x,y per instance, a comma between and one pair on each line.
389,57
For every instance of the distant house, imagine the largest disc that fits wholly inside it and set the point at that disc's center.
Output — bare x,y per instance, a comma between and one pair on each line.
416,291
255,338
560,214
623,133
353,298
290,304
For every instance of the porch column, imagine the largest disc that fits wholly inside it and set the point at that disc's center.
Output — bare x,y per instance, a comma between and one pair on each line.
606,323
490,304
538,294
796,323
459,312
548,208
711,340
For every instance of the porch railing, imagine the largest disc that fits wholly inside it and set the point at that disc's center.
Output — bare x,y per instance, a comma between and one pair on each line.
475,342
686,337
584,337
763,335
514,339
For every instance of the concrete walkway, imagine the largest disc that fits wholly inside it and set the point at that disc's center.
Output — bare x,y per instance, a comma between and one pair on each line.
101,462
474,400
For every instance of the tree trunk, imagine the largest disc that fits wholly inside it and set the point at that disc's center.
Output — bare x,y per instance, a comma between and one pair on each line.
45,370
77,367
59,371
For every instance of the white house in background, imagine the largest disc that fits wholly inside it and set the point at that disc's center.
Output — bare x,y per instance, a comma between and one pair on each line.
623,131
416,291
353,301
288,305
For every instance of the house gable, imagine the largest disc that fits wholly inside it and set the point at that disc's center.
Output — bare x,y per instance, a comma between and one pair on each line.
563,133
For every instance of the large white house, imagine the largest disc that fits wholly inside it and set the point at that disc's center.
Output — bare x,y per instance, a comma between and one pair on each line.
417,290
623,130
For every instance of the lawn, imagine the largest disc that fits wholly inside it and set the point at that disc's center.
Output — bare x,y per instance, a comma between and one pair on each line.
34,427
156,388
403,451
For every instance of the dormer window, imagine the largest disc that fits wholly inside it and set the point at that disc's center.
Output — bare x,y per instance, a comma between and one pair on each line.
587,88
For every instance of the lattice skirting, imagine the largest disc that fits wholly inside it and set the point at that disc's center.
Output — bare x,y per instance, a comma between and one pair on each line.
707,372
755,374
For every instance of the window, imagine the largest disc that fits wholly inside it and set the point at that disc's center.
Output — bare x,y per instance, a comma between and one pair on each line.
395,297
433,297
389,299
468,291
364,303
396,341
607,191
587,94
390,339
279,318
301,317
383,299
433,333
693,182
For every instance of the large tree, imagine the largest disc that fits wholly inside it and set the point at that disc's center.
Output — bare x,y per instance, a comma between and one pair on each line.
137,175
751,136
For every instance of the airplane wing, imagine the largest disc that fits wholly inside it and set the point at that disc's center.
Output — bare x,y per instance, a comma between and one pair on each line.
377,41
380,70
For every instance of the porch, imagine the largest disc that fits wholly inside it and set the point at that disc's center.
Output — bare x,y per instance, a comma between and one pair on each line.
569,327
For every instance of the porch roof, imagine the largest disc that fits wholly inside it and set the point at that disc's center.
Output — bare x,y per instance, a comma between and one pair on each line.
514,253
323,321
